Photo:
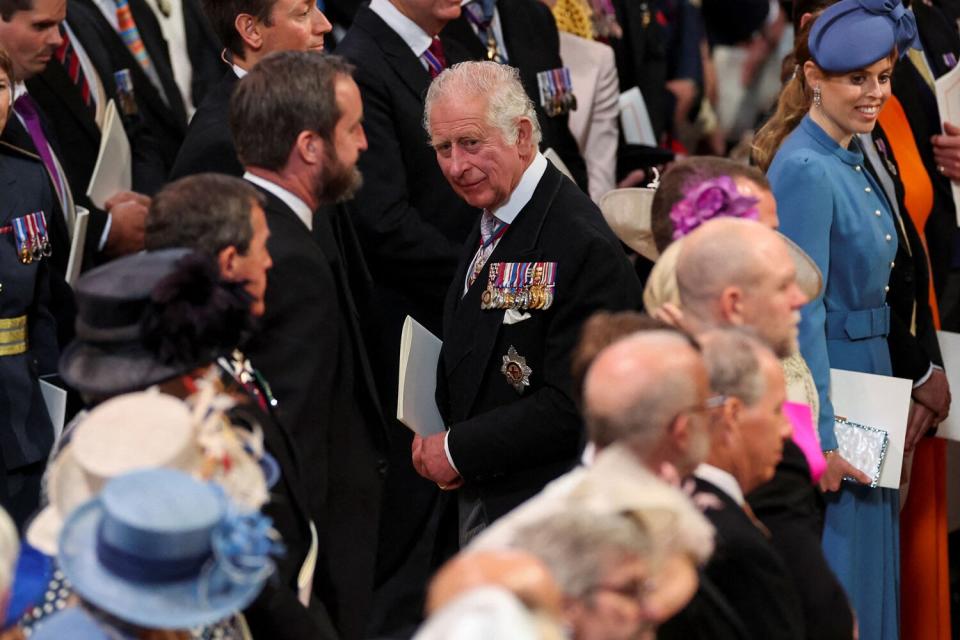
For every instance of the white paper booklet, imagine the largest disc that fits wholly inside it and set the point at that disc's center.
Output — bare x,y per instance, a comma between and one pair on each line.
875,401
416,393
635,119
77,241
113,172
948,103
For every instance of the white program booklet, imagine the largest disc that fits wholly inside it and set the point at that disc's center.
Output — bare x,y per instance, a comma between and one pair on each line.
416,393
881,402
635,119
949,429
948,103
113,172
56,400
77,240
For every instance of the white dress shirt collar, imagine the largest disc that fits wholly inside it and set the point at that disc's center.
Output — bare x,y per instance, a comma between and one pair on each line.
507,212
409,31
721,479
299,207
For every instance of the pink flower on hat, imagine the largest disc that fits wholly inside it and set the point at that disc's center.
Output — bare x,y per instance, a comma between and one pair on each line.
710,199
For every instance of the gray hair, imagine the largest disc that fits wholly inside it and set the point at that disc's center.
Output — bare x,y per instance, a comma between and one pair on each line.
9,551
653,401
733,364
580,546
207,212
284,94
507,101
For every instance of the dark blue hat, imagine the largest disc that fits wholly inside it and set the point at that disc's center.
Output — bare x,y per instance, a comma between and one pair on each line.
853,34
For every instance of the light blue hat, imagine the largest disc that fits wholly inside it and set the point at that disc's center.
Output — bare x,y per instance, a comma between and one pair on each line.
853,34
161,550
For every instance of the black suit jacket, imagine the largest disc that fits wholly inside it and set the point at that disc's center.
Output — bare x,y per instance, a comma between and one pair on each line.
749,573
73,124
791,507
277,612
913,336
410,220
708,616
508,445
208,146
204,49
309,348
166,119
533,45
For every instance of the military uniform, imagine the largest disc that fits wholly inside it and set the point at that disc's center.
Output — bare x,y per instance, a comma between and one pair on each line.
28,337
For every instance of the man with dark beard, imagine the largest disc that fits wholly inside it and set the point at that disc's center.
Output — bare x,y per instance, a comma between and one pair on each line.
296,121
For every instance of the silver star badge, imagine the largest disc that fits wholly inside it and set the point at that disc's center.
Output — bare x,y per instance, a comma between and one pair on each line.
516,370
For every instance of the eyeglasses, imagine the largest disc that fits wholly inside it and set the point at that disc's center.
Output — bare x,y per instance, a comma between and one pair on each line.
710,404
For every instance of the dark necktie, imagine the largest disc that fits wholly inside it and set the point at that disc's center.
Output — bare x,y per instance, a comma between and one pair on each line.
67,56
433,56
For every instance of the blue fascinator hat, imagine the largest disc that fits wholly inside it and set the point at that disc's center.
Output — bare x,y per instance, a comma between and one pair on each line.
853,34
161,550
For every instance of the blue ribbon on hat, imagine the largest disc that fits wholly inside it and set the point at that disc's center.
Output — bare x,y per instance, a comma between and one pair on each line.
905,24
139,568
243,546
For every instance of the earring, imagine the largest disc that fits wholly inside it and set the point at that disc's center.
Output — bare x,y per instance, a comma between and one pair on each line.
817,98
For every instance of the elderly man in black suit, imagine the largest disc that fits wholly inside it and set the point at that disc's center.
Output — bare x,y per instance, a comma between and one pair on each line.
538,262
716,291
745,446
296,120
250,30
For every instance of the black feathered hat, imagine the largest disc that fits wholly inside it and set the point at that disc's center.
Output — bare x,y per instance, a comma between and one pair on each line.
149,317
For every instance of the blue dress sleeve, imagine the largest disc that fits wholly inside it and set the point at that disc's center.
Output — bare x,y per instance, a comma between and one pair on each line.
805,206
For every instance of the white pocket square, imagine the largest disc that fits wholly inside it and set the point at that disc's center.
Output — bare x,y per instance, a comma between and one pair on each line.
513,316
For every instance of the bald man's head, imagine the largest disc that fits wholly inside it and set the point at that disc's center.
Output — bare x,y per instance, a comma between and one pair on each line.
739,272
520,572
638,388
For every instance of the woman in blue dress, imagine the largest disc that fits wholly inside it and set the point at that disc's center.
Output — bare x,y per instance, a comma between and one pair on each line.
831,206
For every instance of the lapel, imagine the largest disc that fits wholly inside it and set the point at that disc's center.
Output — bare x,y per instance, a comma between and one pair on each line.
470,333
59,84
395,52
16,137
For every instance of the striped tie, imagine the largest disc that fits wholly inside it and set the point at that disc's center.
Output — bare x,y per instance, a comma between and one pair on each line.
68,58
131,35
433,56
491,228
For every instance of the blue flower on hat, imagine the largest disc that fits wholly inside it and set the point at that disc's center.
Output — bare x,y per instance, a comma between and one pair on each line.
905,24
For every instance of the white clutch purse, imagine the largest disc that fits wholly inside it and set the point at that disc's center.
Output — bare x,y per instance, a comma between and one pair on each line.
862,446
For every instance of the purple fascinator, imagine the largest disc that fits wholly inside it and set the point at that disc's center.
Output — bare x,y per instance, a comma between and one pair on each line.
711,199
